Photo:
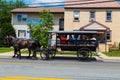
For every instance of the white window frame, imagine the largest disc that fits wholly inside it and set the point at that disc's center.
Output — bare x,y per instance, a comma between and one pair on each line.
108,15
76,15
92,15
24,33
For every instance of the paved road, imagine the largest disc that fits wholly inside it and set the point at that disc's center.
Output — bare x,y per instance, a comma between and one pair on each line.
67,68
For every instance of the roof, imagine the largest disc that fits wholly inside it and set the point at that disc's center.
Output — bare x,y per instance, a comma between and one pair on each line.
73,32
37,10
96,4
94,25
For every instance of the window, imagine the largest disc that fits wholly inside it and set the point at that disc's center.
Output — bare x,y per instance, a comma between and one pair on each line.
76,15
92,15
108,36
22,33
108,16
101,37
22,17
19,17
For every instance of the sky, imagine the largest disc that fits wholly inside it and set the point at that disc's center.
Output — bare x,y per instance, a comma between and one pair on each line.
45,3
51,3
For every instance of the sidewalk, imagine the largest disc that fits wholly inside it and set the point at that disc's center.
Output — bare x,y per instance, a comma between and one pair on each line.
100,57
7,54
104,57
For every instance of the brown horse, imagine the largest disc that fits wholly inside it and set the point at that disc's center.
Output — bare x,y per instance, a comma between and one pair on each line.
19,44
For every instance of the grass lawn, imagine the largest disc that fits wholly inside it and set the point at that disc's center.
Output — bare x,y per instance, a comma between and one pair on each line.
4,49
113,53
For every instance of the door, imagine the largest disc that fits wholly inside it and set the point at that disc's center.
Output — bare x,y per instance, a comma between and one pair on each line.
61,24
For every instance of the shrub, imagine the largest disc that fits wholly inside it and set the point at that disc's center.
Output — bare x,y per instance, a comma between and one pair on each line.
6,29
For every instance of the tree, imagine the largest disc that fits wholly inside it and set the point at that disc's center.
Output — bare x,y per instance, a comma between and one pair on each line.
40,32
6,27
19,4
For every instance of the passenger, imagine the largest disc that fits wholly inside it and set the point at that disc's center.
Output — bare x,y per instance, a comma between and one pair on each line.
58,39
93,40
84,39
63,39
71,39
77,39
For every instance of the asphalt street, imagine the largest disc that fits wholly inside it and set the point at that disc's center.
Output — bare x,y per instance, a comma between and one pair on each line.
60,68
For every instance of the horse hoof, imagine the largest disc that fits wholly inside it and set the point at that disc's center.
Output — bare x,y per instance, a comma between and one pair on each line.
13,57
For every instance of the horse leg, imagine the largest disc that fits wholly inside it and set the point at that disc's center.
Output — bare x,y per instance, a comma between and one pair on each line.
19,54
29,53
34,55
15,53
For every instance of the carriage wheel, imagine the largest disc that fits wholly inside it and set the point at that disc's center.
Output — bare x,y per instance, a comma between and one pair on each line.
83,53
52,54
43,54
47,54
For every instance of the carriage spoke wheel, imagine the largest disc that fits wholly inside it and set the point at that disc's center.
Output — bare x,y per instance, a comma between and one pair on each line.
43,54
52,54
47,54
83,53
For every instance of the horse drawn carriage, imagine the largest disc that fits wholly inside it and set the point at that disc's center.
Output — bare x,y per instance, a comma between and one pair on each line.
83,42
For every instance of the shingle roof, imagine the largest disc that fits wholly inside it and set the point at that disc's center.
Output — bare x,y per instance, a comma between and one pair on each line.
37,10
92,4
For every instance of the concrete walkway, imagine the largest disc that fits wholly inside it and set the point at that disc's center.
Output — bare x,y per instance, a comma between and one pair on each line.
9,54
6,55
100,56
104,57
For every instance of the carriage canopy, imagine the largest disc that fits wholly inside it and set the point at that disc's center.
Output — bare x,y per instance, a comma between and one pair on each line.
73,32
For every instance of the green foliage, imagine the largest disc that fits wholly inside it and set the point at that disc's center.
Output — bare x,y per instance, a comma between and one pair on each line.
19,3
6,27
12,4
40,32
47,20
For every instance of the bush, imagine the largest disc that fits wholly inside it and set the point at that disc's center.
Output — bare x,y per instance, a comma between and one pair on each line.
6,29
